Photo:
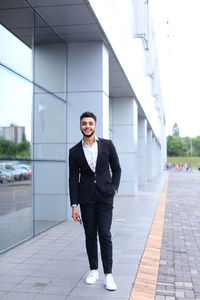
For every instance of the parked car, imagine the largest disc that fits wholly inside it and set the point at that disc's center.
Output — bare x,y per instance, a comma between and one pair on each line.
6,176
24,170
15,171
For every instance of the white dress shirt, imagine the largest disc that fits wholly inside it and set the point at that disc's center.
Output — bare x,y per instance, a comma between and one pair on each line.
91,153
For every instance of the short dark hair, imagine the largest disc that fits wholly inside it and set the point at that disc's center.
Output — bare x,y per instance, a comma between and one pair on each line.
88,114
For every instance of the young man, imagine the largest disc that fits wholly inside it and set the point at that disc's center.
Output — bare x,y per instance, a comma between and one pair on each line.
93,187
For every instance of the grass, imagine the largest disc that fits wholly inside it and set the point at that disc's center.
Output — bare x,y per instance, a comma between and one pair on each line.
194,161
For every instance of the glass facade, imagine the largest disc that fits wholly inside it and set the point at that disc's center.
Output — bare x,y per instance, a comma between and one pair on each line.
32,125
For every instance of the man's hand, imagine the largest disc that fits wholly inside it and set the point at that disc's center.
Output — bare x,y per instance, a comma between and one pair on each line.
75,213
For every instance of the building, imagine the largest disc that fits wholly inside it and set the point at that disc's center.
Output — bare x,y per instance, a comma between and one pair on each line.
13,133
76,55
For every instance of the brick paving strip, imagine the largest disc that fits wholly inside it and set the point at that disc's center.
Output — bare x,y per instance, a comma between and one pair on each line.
179,271
144,287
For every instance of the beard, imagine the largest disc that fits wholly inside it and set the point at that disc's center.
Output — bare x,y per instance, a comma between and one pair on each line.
88,135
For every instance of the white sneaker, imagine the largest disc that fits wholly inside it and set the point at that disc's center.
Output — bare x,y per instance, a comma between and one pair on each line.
110,283
92,277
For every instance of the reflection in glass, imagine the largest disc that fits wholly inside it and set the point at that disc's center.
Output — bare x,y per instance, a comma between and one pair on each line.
36,47
15,119
49,211
49,126
32,125
16,223
16,36
49,59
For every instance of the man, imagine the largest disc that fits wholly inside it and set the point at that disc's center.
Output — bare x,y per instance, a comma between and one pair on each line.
92,186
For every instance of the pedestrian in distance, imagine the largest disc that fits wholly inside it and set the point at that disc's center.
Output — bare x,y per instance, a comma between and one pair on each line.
94,176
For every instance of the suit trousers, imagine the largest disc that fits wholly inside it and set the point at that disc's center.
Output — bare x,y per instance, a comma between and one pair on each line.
97,218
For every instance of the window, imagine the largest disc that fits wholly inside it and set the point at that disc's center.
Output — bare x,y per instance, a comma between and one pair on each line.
32,125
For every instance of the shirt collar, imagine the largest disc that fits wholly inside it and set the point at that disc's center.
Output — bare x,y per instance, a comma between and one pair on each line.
96,139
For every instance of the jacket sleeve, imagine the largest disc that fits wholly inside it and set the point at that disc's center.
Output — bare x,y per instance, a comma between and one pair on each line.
115,166
73,179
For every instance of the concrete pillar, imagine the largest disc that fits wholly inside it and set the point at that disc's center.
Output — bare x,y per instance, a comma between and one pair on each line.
163,145
125,138
49,135
153,156
156,157
159,160
87,89
142,150
50,67
149,156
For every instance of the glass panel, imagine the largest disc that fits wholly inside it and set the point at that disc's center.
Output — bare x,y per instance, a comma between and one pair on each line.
49,126
16,222
16,20
15,115
32,125
49,59
49,194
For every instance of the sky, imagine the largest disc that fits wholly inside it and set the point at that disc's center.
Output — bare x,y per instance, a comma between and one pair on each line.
14,91
177,26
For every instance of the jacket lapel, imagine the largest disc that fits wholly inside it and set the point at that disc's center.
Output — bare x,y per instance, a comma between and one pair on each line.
99,143
82,154
82,157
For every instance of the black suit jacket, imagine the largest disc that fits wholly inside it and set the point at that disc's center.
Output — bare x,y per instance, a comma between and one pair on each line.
82,179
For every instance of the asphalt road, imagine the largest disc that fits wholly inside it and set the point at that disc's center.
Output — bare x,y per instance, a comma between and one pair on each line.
14,197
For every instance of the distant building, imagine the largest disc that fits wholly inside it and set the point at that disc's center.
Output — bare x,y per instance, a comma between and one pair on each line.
12,133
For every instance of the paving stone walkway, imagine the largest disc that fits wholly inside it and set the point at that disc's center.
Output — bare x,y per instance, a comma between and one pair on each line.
53,265
179,270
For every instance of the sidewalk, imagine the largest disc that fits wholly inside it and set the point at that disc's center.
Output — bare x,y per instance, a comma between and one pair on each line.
53,265
179,272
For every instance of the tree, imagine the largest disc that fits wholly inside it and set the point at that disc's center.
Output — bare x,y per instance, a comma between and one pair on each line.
23,146
196,146
8,148
176,130
186,141
182,146
24,137
174,145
